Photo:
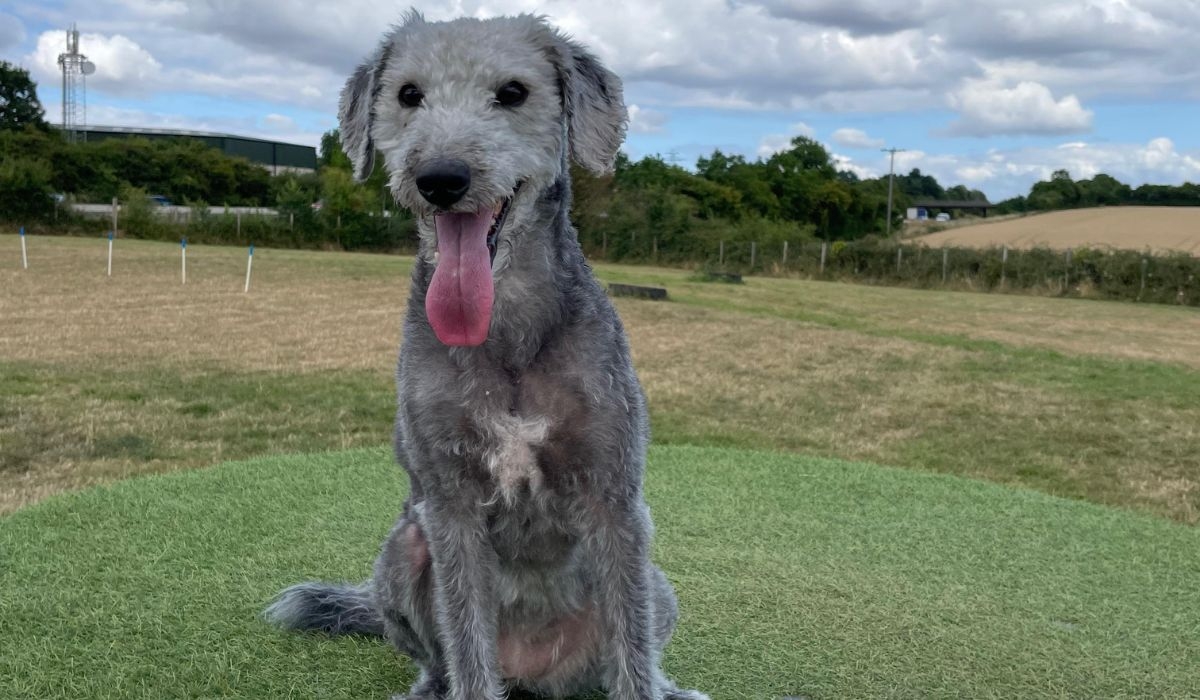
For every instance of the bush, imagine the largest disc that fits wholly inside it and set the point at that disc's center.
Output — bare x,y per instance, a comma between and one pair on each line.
25,194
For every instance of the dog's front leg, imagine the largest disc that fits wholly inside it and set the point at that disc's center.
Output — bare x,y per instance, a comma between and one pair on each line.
464,566
620,542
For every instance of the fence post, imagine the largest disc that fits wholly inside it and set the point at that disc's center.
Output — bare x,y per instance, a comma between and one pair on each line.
1067,277
945,263
239,225
1004,266
753,253
1142,291
291,222
899,258
824,248
721,254
114,214
784,263
654,248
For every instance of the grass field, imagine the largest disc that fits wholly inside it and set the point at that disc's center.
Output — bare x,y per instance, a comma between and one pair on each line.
101,379
1138,228
796,576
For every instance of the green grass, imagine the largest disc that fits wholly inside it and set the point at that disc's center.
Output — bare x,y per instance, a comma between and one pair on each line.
796,576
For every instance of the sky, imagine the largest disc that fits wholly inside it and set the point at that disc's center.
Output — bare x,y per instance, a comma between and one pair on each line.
992,94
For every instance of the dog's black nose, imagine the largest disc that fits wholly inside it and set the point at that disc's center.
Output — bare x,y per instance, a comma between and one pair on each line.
443,182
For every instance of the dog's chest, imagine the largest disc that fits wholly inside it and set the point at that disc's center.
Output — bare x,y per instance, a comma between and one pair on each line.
511,452
533,445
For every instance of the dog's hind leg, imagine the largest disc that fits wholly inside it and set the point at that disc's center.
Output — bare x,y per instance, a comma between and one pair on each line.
402,590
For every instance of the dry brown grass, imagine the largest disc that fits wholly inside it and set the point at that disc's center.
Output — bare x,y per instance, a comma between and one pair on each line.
1137,228
137,374
298,317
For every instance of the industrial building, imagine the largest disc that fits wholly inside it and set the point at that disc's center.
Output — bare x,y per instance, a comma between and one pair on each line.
275,156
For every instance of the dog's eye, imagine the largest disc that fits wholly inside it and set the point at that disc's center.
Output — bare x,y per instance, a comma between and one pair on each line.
411,95
511,94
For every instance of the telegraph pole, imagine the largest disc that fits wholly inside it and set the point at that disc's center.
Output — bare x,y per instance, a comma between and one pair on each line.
891,181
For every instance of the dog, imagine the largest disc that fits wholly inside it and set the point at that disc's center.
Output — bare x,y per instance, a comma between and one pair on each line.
521,556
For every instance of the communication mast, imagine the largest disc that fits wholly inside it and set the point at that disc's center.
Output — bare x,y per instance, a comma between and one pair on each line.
75,69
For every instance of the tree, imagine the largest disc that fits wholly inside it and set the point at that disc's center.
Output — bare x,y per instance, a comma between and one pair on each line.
19,105
331,153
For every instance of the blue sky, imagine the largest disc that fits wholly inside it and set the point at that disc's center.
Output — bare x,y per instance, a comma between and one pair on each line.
991,94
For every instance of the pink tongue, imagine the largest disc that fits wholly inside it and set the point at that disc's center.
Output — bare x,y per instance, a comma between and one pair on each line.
459,300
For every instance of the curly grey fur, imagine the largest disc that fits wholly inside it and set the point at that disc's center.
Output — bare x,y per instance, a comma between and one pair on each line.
525,454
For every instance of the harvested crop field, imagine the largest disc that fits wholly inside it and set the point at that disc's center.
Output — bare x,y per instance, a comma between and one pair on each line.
1156,228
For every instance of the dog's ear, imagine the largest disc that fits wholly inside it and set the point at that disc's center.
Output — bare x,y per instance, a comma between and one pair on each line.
356,110
593,105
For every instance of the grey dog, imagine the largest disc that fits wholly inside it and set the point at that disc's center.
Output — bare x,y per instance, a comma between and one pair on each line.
521,556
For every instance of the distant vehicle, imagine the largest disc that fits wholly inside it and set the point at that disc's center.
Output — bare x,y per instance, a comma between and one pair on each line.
942,217
159,199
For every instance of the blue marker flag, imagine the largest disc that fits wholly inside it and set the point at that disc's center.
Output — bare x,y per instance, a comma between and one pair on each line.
182,242
110,235
251,249
22,230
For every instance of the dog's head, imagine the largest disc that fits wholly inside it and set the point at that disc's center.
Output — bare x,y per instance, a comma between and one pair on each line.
474,117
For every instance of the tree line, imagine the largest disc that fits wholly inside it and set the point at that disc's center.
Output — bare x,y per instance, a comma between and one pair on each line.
645,205
1062,192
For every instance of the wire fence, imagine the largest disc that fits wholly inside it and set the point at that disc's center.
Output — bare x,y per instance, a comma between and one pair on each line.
1103,273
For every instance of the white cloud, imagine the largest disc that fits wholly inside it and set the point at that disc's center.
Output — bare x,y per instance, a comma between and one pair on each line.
842,162
774,143
1006,173
105,115
855,138
646,121
122,66
279,122
986,109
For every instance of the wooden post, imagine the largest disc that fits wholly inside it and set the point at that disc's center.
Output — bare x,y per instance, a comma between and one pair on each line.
945,263
114,214
291,221
654,248
1067,277
753,253
1004,266
784,263
899,258
721,255
824,248
1142,291
239,224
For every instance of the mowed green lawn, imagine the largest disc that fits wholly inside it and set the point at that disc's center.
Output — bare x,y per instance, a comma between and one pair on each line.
797,576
